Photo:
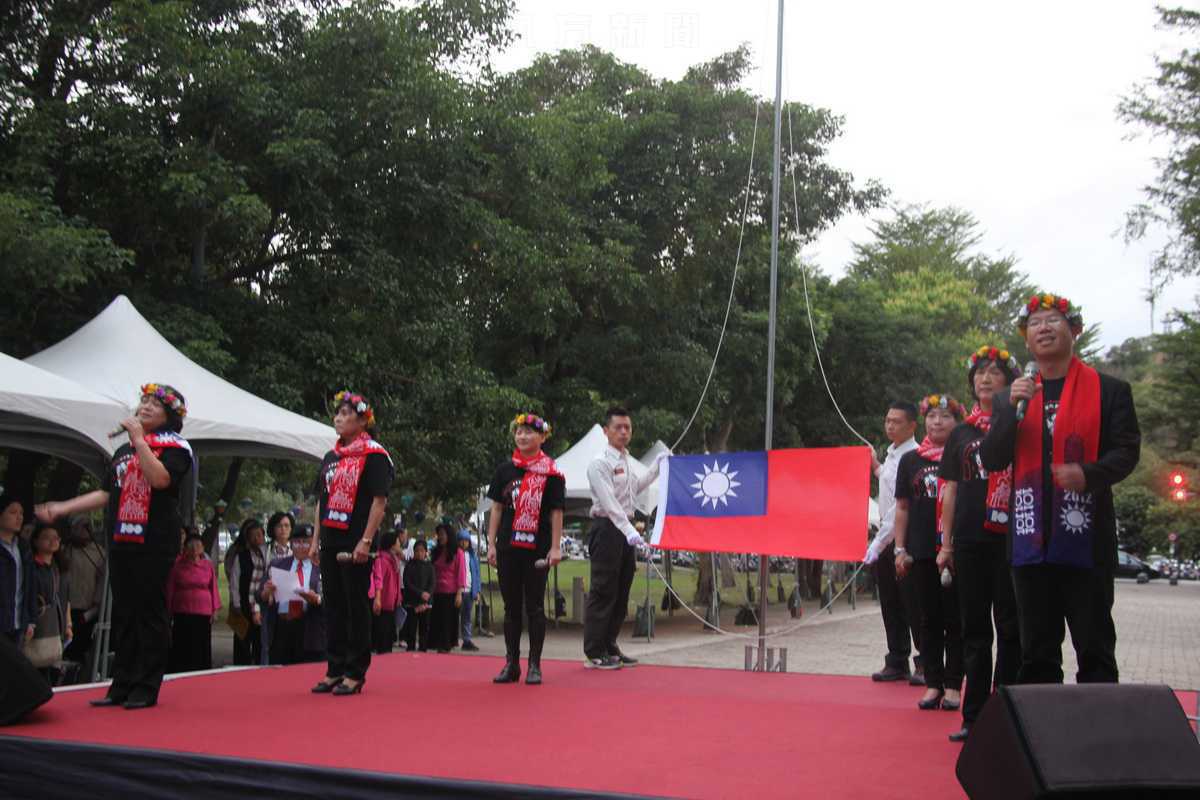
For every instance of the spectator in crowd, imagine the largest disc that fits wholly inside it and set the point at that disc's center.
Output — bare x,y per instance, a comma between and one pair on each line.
385,592
14,562
279,532
252,569
917,543
449,570
471,592
48,608
193,600
85,560
418,595
298,628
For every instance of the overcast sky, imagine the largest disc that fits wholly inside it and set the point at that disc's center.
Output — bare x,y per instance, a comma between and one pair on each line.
1005,110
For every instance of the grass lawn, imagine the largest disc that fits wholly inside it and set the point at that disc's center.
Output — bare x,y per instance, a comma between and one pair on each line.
684,579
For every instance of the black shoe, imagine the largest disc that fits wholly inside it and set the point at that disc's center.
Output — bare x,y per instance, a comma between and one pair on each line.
511,673
889,674
534,676
917,678
961,734
951,705
469,647
326,686
134,705
606,662
343,688
107,701
626,661
932,703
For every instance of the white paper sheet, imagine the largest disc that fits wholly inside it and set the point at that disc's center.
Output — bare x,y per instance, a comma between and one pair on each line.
286,585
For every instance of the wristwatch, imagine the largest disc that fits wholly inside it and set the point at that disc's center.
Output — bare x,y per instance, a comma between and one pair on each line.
901,550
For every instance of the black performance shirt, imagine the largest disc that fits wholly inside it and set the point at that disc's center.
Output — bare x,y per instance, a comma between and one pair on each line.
375,481
961,463
166,522
916,482
506,481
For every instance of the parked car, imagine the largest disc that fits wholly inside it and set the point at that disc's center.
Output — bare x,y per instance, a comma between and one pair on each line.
1129,566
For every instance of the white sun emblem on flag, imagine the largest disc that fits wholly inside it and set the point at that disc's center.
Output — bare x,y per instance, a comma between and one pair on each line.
715,485
1075,518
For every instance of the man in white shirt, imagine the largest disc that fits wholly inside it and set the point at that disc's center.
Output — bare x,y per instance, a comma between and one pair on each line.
612,542
897,601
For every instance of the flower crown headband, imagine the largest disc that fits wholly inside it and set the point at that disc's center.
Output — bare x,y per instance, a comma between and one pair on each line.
167,395
530,421
356,402
945,401
1073,313
989,353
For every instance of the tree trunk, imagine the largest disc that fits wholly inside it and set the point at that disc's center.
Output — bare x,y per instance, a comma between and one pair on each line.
704,579
213,528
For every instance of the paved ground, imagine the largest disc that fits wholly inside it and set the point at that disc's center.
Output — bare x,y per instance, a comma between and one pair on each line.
1158,638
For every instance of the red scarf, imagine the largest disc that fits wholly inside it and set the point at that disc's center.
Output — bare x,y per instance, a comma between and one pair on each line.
133,509
527,503
1076,440
933,452
995,518
342,484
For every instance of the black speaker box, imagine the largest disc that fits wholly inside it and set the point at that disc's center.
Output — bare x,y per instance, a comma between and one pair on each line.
1091,740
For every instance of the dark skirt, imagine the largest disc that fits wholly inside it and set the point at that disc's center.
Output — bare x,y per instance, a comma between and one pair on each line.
443,627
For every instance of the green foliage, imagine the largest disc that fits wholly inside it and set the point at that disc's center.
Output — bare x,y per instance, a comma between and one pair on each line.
1169,106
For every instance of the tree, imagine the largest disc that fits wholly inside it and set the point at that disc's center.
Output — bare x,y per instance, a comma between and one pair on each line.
1169,106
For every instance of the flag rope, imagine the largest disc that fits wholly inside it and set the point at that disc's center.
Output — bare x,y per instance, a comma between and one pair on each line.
772,634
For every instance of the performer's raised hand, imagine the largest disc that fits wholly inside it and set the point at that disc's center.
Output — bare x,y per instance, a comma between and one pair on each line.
1023,389
133,426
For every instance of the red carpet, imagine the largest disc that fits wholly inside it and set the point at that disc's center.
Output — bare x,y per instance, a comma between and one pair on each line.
677,732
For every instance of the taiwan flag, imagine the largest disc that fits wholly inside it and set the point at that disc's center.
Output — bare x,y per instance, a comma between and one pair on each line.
809,503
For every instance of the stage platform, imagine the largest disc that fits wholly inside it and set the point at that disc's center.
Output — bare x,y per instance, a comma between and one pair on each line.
431,725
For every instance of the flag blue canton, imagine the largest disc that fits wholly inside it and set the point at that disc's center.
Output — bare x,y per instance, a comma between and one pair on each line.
721,485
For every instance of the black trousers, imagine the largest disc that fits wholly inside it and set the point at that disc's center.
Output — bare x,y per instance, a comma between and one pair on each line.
248,651
941,628
383,631
523,587
347,611
416,629
83,630
985,595
1048,594
443,627
141,627
287,640
900,611
191,643
613,563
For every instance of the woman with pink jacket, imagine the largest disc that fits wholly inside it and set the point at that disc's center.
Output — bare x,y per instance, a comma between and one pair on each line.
193,602
385,592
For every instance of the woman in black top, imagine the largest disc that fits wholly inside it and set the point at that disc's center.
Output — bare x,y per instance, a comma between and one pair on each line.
918,489
252,574
46,599
530,493
418,598
141,497
352,485
975,508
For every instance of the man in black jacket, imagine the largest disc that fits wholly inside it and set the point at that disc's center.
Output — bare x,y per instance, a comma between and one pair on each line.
14,570
1070,434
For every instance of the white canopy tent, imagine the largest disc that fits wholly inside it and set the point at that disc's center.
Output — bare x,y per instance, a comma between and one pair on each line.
46,413
573,465
119,350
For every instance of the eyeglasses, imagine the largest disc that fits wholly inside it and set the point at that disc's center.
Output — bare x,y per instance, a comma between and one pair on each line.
1046,322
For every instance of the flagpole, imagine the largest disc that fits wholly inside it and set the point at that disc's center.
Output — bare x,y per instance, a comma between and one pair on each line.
763,561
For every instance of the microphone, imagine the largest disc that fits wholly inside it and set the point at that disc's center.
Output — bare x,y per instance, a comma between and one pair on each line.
117,432
1031,371
542,563
345,558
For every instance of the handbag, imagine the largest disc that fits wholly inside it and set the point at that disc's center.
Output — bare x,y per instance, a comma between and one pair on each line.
238,622
46,651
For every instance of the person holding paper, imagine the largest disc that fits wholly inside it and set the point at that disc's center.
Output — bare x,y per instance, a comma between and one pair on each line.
612,542
293,597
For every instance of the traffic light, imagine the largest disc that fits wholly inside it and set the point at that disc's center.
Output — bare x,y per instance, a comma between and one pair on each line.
1178,486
